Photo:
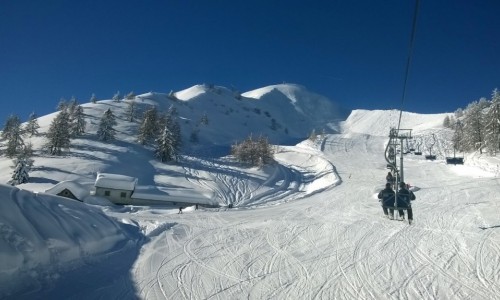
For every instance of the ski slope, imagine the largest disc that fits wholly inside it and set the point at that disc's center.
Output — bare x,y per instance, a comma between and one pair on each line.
334,244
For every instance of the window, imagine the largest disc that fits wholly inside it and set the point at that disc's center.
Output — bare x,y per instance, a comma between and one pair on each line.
123,194
107,193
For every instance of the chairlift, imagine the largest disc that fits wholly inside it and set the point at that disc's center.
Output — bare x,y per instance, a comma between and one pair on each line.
431,156
418,143
396,202
454,160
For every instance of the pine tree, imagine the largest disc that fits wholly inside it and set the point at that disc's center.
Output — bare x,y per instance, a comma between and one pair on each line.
62,105
131,110
473,127
22,165
130,96
58,135
492,128
93,99
149,126
77,119
446,122
32,125
21,172
12,123
165,150
117,97
71,106
12,132
106,132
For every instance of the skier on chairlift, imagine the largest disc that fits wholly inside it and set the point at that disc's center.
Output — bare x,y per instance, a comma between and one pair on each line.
390,179
386,197
404,198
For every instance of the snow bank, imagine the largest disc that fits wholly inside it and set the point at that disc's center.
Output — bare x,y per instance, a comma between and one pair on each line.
43,235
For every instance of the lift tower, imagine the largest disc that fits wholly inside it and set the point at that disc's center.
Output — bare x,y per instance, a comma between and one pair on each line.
395,145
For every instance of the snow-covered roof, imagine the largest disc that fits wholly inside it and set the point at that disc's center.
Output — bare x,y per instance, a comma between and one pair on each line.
78,190
170,194
115,181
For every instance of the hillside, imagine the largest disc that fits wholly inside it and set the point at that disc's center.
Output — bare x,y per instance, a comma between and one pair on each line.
284,119
308,226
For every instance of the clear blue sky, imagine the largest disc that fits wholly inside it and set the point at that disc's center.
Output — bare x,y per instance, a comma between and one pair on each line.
352,51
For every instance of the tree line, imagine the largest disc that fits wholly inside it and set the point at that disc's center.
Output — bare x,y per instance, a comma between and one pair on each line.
477,127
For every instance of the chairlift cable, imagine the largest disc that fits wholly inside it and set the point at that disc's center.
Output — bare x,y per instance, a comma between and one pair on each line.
409,59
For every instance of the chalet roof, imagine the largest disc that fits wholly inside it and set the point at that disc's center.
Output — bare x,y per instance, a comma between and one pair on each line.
78,190
115,181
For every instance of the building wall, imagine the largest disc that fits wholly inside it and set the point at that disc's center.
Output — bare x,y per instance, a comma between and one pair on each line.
115,196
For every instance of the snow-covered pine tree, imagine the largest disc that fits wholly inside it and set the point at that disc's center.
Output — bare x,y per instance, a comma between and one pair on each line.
165,150
13,134
131,110
21,172
492,128
12,123
62,105
32,126
170,121
130,96
78,122
22,165
58,135
446,122
93,99
149,126
106,132
473,127
117,97
72,104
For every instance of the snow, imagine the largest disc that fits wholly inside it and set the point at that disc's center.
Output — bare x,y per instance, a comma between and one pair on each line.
78,190
116,181
170,194
307,227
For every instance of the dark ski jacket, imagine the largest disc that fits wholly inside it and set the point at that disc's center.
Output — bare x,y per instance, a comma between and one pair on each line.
389,178
387,197
404,198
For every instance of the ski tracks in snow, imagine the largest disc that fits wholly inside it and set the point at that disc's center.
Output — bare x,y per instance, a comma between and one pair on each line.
333,244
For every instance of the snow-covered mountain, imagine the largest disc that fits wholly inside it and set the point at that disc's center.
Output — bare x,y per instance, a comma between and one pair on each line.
284,113
306,227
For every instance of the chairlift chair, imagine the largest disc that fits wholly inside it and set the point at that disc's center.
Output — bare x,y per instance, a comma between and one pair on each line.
454,160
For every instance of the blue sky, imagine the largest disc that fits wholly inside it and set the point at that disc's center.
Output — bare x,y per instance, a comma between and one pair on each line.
352,51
